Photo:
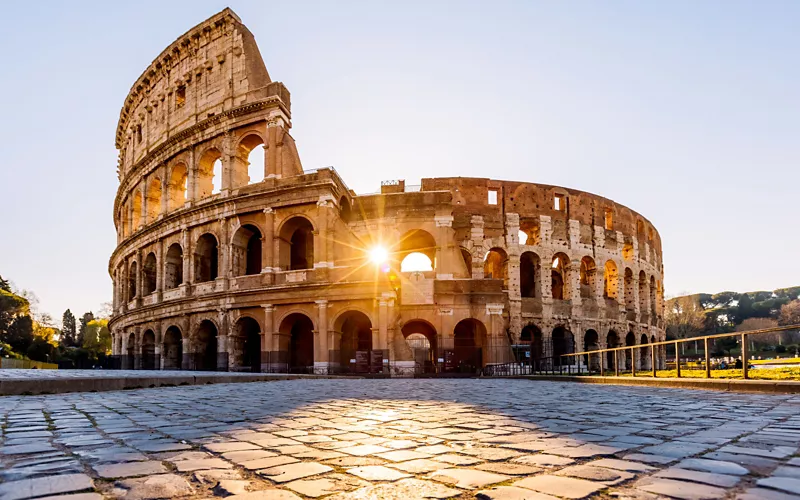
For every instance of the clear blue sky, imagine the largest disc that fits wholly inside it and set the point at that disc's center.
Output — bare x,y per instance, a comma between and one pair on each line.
688,112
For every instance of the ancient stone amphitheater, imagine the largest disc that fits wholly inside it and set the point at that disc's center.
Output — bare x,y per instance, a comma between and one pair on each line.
230,256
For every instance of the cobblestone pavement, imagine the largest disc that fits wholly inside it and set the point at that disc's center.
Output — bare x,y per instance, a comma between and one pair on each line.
83,374
400,439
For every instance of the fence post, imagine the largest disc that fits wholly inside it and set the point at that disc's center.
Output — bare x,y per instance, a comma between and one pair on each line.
633,361
616,363
602,363
744,356
708,358
678,358
653,360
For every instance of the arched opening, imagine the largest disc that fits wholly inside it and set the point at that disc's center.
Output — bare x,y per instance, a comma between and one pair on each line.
421,339
630,302
209,173
136,215
559,282
246,251
415,251
643,293
206,346
345,211
495,265
612,341
611,281
247,345
588,277
173,267
356,347
299,334
533,335
591,342
630,340
297,244
250,161
529,265
468,340
206,259
627,250
467,257
149,350
644,353
178,187
130,355
173,349
149,272
153,199
563,343
132,271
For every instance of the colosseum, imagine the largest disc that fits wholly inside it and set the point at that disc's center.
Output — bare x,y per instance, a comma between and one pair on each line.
231,257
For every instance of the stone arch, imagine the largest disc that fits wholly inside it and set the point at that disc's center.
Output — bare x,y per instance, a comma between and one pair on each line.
173,267
421,337
149,274
533,334
209,173
296,244
297,342
205,346
588,278
529,268
149,350
178,186
630,340
206,258
249,163
630,301
246,345
130,354
246,250
563,343
356,330
132,272
611,280
415,251
591,342
559,277
644,353
643,293
153,199
612,341
469,339
172,352
495,265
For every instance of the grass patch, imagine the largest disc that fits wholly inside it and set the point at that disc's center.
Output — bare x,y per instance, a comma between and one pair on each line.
791,373
786,361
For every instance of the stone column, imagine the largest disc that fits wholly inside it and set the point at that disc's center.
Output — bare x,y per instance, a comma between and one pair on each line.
222,340
164,191
266,338
321,264
160,270
267,246
476,235
444,268
188,262
383,322
124,353
139,273
321,354
188,362
191,180
137,350
224,260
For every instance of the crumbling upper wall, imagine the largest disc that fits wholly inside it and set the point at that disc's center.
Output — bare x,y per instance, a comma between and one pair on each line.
212,68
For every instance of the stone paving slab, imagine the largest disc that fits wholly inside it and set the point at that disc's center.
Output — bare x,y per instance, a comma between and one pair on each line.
370,439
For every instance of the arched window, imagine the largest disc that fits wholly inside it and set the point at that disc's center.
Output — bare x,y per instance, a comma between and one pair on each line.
206,259
297,344
136,216
611,281
630,303
173,268
297,244
563,343
588,277
173,349
247,250
495,265
416,251
178,187
153,199
205,341
249,161
416,262
469,338
149,272
209,173
559,282
529,265
644,293
132,271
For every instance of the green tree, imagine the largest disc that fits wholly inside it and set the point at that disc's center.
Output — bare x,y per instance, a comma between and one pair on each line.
97,338
20,334
85,319
68,329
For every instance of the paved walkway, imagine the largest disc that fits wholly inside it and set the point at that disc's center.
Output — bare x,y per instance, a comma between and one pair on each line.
401,439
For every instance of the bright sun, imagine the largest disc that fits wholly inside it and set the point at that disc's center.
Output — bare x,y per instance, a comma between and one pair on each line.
378,255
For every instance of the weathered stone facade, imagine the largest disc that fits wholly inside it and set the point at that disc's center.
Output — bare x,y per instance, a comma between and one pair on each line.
217,270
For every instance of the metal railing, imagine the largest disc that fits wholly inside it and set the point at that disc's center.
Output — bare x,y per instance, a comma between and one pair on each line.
630,353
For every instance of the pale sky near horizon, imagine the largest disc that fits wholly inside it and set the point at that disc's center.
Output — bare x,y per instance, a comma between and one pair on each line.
687,112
